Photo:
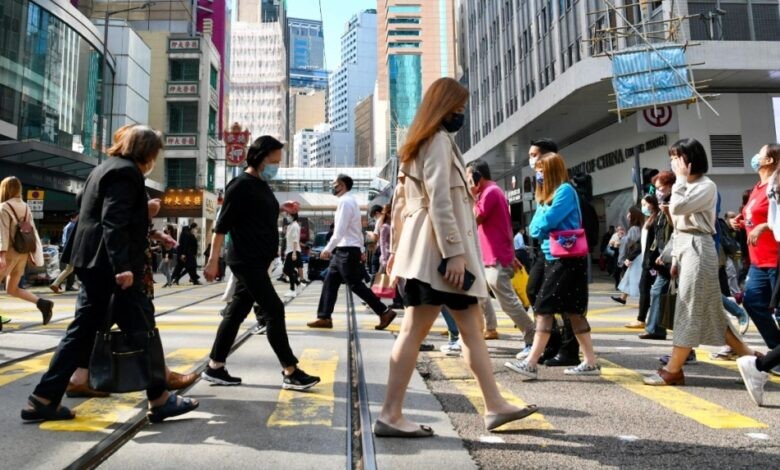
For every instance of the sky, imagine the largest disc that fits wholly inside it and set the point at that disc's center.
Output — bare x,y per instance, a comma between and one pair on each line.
335,14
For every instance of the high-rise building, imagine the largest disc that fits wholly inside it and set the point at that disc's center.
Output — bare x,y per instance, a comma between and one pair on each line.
307,54
307,109
213,20
364,132
260,11
536,68
416,45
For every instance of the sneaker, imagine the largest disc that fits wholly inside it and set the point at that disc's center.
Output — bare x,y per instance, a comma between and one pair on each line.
689,361
522,368
744,323
775,371
451,349
220,376
525,352
584,369
291,294
4,319
725,354
754,378
258,329
299,380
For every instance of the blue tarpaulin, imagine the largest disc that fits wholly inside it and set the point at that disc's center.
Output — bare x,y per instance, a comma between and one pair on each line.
642,78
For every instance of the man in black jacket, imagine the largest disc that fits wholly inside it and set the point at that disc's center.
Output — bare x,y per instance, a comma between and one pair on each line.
187,256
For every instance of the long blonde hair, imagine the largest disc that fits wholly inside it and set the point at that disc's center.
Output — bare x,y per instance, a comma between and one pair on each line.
10,188
444,96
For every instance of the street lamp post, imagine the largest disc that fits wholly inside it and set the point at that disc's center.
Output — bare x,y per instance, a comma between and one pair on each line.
103,66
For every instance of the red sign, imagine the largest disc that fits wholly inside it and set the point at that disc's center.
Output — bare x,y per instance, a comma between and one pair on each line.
236,141
658,117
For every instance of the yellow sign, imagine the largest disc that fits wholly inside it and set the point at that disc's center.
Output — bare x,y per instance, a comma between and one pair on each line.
35,195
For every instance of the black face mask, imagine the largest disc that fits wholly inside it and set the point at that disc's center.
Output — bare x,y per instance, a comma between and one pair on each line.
454,123
336,190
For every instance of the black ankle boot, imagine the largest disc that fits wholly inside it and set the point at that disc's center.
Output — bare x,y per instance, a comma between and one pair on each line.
47,309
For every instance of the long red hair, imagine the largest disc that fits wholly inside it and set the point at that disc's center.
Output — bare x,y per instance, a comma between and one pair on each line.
443,97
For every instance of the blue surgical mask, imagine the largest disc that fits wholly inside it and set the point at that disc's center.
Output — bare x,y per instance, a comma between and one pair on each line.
539,177
755,162
269,171
646,211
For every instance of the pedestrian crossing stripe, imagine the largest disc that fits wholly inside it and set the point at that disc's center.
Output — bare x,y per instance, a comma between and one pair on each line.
22,369
686,404
98,414
455,371
316,406
703,356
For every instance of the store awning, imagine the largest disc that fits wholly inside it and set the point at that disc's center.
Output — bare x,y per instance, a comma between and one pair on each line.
47,157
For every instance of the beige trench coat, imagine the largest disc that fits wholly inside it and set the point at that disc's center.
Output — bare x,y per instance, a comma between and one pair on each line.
433,217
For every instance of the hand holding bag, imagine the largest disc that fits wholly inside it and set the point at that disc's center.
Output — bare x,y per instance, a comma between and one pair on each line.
127,361
668,302
569,243
383,287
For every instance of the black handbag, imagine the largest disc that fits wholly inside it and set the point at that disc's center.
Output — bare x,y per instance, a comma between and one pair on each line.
127,361
668,303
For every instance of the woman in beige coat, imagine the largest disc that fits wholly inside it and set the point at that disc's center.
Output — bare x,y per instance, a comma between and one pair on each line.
12,264
433,224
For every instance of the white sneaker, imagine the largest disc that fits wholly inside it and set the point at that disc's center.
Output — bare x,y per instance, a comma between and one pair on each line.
291,294
526,351
754,378
584,369
522,368
451,349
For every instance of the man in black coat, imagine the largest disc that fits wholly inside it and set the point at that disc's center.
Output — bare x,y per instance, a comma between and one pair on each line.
187,255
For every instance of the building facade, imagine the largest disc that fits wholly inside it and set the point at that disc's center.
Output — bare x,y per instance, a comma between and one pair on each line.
307,109
307,54
364,132
50,103
415,46
536,68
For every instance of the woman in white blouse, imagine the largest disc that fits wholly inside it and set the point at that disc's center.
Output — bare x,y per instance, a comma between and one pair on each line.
699,317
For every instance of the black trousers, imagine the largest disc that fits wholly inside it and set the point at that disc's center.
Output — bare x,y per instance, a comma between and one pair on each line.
346,267
97,286
645,283
189,265
561,340
290,269
253,286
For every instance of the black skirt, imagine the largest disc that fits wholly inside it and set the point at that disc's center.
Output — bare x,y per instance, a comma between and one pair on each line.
418,293
565,287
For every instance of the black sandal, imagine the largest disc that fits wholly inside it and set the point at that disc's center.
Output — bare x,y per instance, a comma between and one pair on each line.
50,412
171,408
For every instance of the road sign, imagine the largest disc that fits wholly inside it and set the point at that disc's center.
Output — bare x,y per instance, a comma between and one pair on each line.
35,205
35,194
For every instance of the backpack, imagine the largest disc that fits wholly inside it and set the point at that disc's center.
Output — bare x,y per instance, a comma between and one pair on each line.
590,222
24,240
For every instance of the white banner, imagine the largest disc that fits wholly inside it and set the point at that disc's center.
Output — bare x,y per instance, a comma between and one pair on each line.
659,119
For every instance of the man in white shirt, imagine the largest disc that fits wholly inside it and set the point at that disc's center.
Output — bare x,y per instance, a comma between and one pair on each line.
344,250
292,252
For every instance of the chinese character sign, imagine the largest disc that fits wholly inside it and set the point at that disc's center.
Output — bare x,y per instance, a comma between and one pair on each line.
236,141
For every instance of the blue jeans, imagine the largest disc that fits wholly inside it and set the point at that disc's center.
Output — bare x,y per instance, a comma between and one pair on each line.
652,325
452,327
758,294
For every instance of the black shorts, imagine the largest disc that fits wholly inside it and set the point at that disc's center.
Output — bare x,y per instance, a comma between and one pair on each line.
418,293
564,288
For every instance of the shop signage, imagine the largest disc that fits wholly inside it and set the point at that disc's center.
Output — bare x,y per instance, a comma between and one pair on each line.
35,195
513,196
236,142
182,89
181,140
616,157
184,44
190,203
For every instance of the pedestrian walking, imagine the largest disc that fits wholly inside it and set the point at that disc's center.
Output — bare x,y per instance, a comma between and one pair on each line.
167,264
187,256
250,213
66,275
109,257
755,370
19,241
651,211
631,252
433,225
699,317
292,256
344,250
614,248
564,288
521,248
494,227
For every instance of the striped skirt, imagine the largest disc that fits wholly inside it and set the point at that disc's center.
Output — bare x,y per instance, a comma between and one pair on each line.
699,315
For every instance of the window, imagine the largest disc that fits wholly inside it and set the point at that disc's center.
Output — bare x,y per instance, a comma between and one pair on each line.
404,32
182,117
212,123
405,45
212,169
184,70
404,9
181,173
404,21
214,78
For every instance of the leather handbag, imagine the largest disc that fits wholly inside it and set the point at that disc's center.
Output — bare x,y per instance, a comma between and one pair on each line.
127,361
383,287
571,243
668,303
24,240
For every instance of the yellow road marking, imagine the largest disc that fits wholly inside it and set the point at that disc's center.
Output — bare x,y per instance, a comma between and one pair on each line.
702,355
25,368
316,406
97,414
455,371
698,409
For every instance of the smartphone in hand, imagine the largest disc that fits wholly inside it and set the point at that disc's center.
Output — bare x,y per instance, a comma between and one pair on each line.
468,277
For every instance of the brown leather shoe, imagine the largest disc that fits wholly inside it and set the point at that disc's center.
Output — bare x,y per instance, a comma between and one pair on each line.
177,381
491,334
385,319
321,323
83,391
